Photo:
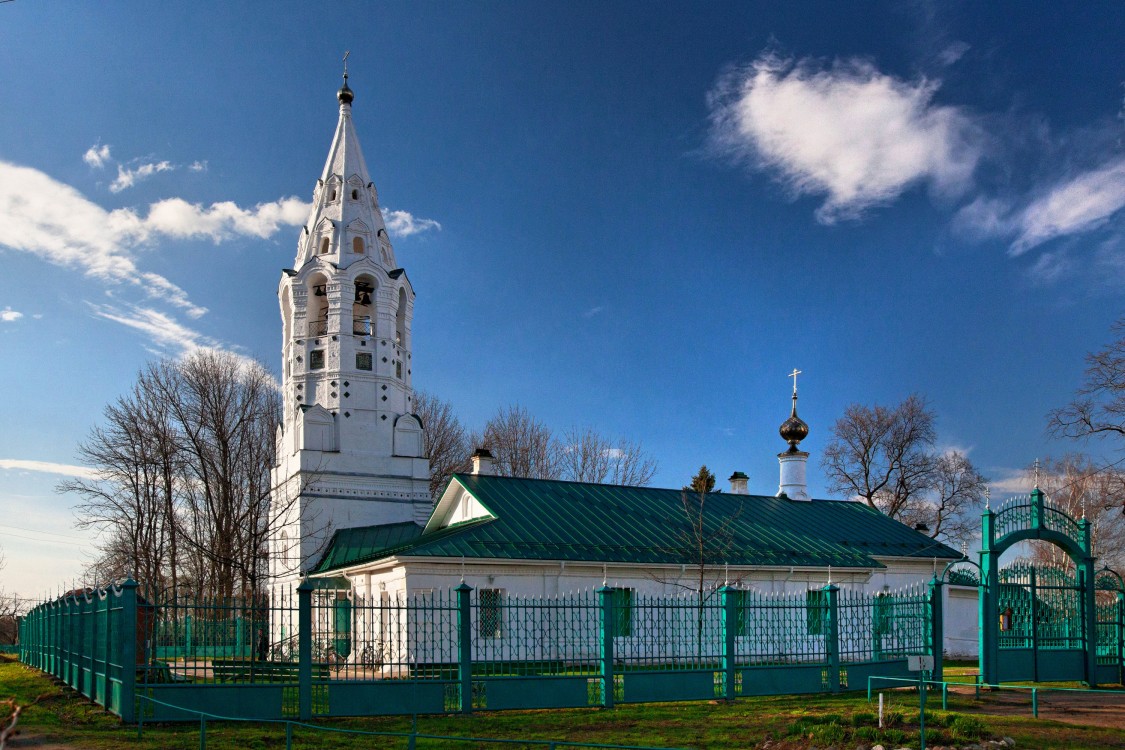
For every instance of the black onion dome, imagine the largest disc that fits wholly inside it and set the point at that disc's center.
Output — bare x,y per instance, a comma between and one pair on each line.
793,430
345,94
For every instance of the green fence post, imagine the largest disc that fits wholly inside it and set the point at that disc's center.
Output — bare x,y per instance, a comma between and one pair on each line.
92,646
187,636
606,626
832,636
730,599
1090,605
465,646
988,643
128,650
1118,630
937,628
304,650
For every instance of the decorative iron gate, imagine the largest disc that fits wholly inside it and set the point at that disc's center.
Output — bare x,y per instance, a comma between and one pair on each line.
1044,622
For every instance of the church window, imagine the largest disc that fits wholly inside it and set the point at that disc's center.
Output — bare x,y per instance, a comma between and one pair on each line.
324,242
283,551
623,611
316,359
398,370
490,617
363,360
816,611
355,195
357,245
332,194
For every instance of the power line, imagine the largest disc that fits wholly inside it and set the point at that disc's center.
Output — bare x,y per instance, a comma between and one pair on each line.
40,531
34,539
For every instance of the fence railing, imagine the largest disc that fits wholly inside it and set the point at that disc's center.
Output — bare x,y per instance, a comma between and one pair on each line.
324,651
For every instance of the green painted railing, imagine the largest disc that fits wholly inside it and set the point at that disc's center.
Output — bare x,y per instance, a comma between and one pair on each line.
319,651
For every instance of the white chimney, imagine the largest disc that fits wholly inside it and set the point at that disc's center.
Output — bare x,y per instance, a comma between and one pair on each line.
482,461
739,484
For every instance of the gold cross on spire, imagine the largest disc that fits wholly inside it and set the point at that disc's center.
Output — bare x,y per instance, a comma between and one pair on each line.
794,375
346,53
1037,473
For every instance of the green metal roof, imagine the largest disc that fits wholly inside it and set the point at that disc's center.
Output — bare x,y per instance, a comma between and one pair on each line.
574,521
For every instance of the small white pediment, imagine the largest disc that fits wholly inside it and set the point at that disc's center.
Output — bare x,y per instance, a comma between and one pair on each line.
456,505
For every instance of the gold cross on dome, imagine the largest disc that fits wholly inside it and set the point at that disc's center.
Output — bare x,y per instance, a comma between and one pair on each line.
794,375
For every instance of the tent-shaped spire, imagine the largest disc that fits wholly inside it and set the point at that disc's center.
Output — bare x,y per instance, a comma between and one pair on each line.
345,222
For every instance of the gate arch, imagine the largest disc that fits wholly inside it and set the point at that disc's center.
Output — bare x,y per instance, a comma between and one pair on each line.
1038,622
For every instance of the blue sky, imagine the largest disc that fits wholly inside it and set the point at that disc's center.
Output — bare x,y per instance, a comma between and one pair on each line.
633,216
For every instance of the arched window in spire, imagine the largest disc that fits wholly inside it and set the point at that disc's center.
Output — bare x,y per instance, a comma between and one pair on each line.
357,246
324,244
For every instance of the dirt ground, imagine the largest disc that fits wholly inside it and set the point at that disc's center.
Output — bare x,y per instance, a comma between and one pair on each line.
1085,708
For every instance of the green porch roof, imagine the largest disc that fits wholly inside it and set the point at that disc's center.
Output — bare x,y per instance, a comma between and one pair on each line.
539,519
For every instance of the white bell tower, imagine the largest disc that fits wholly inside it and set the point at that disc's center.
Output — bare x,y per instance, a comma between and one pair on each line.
350,449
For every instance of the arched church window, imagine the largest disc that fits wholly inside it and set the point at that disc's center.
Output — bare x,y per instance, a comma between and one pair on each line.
283,550
324,246
332,194
357,245
355,195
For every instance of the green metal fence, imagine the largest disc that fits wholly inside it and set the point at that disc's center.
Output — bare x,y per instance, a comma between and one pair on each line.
322,650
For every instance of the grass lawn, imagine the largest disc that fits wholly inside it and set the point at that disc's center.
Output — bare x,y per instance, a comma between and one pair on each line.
57,715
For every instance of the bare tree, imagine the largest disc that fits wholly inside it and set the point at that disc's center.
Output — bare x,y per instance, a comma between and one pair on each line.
521,445
1081,488
588,456
1099,407
882,454
886,456
183,476
446,442
950,509
125,499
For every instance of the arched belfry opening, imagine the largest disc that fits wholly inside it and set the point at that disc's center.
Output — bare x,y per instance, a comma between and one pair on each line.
363,306
318,305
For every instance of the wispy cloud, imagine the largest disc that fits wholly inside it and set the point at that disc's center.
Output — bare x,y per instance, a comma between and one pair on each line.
198,166
1076,204
53,221
162,328
404,224
126,178
8,315
847,132
46,467
952,53
593,311
97,155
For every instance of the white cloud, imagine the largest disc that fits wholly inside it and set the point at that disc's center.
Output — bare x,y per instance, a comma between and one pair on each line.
55,222
404,224
96,156
953,53
593,311
46,467
162,328
1074,205
850,133
198,166
126,178
8,315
